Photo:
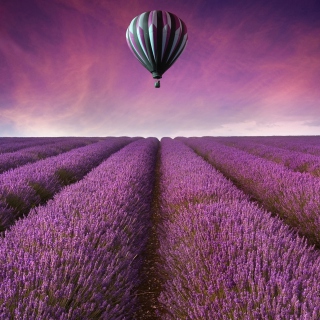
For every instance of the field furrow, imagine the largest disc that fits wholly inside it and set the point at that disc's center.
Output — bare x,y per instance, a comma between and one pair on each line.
32,184
151,284
79,256
222,256
293,196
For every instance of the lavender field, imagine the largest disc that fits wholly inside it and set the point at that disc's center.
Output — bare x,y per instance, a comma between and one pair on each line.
137,228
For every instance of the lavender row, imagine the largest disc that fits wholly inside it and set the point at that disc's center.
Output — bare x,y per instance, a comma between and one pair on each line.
21,143
14,139
294,196
308,144
11,160
222,256
25,187
5,140
79,256
296,161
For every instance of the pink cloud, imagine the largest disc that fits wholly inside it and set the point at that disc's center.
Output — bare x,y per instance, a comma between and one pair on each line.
71,66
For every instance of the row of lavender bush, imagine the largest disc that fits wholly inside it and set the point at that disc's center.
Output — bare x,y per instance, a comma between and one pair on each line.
11,160
15,139
5,140
306,144
27,186
294,196
222,256
79,256
294,160
21,143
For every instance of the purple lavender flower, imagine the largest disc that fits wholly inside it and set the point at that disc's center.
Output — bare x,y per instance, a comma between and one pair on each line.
79,256
293,196
222,256
29,185
11,160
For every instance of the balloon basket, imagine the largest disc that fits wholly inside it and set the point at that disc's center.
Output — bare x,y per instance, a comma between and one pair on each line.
157,84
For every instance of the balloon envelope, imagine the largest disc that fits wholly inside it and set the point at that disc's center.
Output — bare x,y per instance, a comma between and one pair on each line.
157,38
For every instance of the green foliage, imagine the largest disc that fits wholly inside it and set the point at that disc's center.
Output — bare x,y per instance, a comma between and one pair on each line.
15,202
42,192
65,177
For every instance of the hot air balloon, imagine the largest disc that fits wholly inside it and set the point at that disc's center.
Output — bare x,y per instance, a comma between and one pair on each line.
157,38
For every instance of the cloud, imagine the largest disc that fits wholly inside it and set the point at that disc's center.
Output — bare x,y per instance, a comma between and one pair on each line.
315,123
66,69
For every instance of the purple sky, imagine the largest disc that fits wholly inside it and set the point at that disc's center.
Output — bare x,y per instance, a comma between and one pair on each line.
249,68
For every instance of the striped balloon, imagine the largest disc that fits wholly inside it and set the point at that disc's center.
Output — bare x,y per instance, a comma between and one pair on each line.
157,38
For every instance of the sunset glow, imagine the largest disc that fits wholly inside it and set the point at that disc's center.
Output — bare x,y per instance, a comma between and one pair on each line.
249,68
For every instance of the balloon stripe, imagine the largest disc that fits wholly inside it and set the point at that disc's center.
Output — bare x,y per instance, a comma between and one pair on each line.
140,32
150,22
164,40
135,53
165,33
182,47
151,36
129,42
155,35
171,38
152,25
130,28
159,39
147,40
134,46
176,39
132,38
169,19
137,44
182,39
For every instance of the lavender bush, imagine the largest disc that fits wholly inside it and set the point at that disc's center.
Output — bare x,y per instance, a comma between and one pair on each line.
222,256
79,256
32,184
294,196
